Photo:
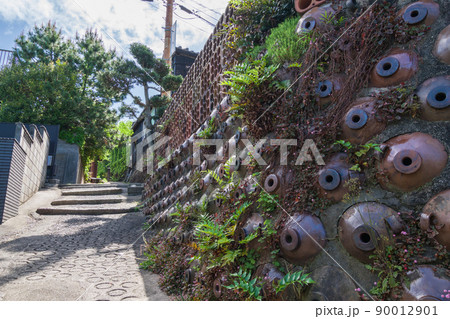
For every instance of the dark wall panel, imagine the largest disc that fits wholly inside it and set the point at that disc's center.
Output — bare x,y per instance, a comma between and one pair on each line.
12,164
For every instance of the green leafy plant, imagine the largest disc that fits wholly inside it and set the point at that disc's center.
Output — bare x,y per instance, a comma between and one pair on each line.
149,262
209,129
229,181
245,78
214,240
359,153
285,45
389,275
247,260
298,277
245,284
267,202
267,230
253,20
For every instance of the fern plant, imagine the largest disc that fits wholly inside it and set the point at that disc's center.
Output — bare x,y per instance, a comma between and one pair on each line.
246,78
243,283
267,202
214,240
291,279
208,131
229,181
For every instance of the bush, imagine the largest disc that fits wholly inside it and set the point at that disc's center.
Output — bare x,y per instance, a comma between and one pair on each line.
284,44
255,18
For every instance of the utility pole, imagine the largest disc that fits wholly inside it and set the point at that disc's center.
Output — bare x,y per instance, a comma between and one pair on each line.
168,32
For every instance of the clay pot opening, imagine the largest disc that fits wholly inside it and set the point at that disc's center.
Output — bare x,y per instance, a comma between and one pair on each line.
303,4
271,183
356,119
416,13
242,234
387,66
290,239
407,161
238,193
187,276
325,88
329,179
308,24
365,238
217,288
439,97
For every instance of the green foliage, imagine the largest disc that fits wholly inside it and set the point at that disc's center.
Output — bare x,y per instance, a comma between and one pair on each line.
229,182
74,136
254,19
243,282
359,153
116,158
214,239
389,275
159,101
267,202
267,231
144,70
59,81
246,78
247,260
292,279
285,45
149,263
208,131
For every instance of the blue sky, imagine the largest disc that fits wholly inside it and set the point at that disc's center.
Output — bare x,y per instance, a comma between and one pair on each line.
120,22
126,21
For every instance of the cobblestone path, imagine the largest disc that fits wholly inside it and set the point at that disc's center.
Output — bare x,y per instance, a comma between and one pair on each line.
77,258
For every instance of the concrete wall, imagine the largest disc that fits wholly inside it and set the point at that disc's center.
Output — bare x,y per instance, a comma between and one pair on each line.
68,168
12,164
36,144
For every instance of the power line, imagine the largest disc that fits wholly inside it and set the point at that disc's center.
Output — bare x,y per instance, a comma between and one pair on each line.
200,4
184,20
195,14
197,10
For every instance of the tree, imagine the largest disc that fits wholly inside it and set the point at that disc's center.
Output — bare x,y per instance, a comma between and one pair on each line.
58,81
147,71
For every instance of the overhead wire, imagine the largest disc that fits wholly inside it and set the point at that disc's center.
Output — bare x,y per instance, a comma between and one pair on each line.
200,4
200,11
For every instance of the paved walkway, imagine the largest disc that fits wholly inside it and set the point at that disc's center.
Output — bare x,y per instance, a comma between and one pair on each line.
75,258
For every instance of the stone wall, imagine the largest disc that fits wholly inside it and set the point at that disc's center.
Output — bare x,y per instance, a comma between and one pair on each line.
412,173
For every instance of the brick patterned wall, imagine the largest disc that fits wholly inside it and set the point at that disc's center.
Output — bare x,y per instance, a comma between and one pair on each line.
200,91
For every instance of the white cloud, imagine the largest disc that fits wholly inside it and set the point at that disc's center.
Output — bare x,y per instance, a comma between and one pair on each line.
126,21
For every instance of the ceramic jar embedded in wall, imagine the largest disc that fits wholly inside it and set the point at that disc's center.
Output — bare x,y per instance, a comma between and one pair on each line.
410,160
364,226
302,238
435,218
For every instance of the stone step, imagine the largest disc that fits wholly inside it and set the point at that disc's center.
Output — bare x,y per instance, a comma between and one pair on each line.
82,186
105,209
89,200
93,191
